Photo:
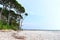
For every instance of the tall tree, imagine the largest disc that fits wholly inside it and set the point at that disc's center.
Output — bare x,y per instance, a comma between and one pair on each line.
9,4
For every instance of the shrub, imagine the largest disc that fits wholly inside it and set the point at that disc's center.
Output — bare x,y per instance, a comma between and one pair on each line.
4,26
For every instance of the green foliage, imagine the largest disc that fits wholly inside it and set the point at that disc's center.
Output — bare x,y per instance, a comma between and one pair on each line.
0,8
4,26
9,17
1,24
5,13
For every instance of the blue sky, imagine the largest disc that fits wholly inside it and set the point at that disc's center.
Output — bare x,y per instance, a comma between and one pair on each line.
43,14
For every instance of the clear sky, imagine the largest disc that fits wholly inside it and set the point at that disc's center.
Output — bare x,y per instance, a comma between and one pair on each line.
43,14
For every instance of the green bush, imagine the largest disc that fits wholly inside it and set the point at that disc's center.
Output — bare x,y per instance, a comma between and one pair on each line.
4,26
1,25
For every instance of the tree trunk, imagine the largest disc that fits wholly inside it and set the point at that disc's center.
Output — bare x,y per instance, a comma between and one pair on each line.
9,14
1,12
19,24
21,21
9,19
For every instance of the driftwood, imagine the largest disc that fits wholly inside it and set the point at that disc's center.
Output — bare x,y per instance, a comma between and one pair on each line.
18,37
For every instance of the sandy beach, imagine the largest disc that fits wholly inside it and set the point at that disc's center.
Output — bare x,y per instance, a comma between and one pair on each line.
29,35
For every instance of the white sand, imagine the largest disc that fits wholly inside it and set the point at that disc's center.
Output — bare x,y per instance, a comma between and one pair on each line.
30,35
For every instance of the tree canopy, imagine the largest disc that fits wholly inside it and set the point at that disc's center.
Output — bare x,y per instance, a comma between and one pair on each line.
11,17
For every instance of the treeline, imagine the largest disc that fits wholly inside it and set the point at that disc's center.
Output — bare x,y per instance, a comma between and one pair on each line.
11,14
